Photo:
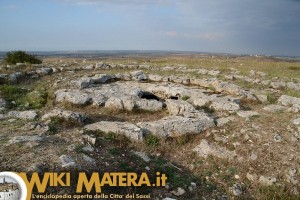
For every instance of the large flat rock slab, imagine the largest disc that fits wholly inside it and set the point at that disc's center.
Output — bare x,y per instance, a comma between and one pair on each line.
124,128
204,149
177,125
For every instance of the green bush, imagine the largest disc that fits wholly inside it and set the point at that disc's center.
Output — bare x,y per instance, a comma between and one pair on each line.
14,57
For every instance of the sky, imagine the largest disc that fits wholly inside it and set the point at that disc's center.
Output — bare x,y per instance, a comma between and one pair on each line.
269,27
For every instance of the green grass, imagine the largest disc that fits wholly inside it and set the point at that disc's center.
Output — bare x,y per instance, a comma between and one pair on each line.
271,98
184,98
22,97
151,140
12,93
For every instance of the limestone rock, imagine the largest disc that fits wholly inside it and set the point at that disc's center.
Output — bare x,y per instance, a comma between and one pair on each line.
267,180
262,98
247,114
296,121
155,77
138,75
225,104
68,115
130,103
174,126
2,104
293,102
26,115
178,107
224,120
76,97
205,149
274,108
67,161
124,128
44,71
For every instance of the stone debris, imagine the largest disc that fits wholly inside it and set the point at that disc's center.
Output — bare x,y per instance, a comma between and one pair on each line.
223,121
76,97
296,121
247,114
85,82
65,114
267,180
274,108
174,126
178,192
2,104
138,75
290,101
142,155
178,107
67,161
251,177
236,189
124,128
25,115
205,149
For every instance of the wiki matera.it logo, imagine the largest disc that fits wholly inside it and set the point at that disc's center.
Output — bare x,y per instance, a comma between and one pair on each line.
12,187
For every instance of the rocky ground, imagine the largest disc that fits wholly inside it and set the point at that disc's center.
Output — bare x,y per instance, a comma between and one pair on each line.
219,127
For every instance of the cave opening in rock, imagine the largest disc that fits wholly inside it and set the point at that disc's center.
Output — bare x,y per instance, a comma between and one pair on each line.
174,97
149,95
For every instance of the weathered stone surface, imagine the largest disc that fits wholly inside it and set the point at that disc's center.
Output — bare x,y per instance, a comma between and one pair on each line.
67,161
267,180
296,121
85,82
224,120
98,98
142,155
44,71
205,149
293,102
124,128
247,114
274,108
68,115
293,86
178,107
224,103
116,103
155,77
201,101
76,97
262,98
289,100
278,85
131,102
174,126
26,115
123,76
138,75
81,83
14,77
168,91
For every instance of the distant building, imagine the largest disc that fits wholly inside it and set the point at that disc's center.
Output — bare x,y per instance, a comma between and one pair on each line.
9,191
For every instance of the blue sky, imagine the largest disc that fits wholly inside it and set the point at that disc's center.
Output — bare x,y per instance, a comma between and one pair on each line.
269,27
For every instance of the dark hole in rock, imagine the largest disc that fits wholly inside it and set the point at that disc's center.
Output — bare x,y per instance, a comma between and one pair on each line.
174,97
148,95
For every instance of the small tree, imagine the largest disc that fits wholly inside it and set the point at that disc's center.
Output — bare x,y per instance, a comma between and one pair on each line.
14,57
